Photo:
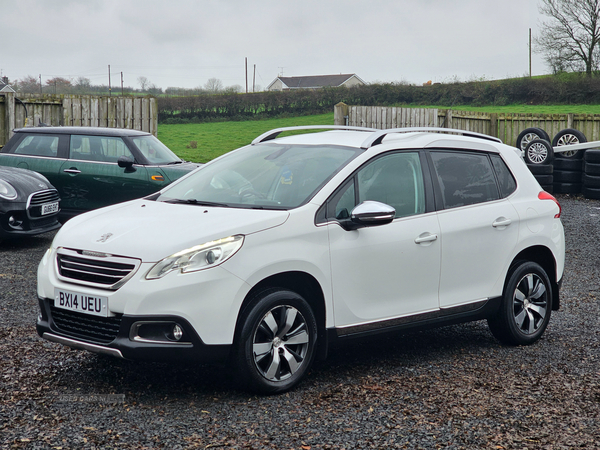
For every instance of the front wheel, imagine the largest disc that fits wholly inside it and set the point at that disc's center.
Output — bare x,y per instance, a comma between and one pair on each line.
276,345
526,306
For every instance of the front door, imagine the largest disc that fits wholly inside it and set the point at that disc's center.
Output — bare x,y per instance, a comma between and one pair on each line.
388,271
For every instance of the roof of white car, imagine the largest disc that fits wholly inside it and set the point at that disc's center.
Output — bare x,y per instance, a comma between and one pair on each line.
368,137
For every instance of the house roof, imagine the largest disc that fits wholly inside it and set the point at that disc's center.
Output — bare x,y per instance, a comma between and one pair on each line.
5,87
315,81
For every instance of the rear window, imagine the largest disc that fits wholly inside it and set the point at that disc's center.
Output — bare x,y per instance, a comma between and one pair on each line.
464,178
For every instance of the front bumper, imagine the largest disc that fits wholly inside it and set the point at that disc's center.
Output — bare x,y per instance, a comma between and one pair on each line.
120,336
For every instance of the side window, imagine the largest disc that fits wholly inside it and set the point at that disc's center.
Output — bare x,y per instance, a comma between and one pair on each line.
395,179
506,181
38,145
98,148
464,178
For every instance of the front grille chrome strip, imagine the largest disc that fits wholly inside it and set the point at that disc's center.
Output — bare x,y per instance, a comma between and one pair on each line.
104,272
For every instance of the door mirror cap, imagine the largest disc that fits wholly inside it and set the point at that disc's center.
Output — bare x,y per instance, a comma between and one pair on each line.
127,163
369,214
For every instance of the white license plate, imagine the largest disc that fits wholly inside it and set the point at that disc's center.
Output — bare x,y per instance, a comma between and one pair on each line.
49,208
80,302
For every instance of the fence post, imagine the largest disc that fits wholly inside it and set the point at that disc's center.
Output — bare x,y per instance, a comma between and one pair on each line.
9,102
340,114
494,124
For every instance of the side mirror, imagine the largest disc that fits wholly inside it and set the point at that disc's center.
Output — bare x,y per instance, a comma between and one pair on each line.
127,163
369,214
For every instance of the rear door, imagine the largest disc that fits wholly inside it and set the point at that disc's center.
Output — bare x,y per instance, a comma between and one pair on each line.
43,153
479,226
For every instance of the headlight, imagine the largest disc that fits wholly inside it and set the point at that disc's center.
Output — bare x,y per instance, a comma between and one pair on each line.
197,258
7,191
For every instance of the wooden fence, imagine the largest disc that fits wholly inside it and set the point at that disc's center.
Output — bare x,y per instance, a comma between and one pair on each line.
505,126
138,113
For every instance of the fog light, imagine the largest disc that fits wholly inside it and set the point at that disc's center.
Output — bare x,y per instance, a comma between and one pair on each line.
13,222
177,332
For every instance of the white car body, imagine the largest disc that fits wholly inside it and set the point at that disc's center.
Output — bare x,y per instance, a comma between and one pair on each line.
414,271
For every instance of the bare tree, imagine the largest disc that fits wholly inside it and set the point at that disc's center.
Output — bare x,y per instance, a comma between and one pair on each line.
214,85
143,82
569,40
59,85
28,85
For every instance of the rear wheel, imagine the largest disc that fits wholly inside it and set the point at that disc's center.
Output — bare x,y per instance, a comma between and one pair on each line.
526,305
276,344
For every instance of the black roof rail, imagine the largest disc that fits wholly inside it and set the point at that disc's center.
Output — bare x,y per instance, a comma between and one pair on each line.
269,135
377,137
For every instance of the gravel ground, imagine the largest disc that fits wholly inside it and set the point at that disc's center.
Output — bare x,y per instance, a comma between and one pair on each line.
454,387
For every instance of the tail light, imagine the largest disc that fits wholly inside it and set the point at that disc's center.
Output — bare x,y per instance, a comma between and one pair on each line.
543,195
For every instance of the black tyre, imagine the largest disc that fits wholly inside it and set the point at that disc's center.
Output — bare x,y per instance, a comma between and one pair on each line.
567,188
276,342
567,137
526,305
541,169
591,168
591,181
549,188
567,176
528,135
544,179
592,156
593,193
538,151
575,165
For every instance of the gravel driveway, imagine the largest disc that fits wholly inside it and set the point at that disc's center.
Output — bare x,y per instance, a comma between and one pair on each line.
454,387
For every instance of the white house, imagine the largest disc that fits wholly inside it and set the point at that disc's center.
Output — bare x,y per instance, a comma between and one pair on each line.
315,82
4,86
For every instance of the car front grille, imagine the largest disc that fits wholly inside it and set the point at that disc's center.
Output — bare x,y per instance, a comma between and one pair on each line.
38,199
95,269
84,326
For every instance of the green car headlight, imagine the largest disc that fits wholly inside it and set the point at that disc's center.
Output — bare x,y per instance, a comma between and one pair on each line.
197,258
7,191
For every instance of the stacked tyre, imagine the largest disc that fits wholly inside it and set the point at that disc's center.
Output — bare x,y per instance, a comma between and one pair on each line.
591,174
568,166
539,156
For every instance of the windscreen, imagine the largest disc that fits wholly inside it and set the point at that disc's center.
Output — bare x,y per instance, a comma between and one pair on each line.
265,175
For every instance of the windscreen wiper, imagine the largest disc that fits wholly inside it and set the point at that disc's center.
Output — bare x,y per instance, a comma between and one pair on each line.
193,201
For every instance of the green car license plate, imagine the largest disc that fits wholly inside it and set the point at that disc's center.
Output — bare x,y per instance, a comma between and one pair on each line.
81,302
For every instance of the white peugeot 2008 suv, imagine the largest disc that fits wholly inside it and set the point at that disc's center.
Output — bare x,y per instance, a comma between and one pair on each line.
271,253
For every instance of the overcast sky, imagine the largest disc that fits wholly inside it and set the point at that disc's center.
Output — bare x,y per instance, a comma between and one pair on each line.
183,43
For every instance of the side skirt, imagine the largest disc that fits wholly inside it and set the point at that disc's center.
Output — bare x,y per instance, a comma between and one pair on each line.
448,316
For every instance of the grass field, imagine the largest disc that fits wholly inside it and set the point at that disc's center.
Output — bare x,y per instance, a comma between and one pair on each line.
217,138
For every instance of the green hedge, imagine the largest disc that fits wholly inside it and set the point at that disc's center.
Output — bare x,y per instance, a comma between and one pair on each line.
559,89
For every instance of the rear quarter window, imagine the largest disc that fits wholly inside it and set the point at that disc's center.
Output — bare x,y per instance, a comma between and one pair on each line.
506,180
37,145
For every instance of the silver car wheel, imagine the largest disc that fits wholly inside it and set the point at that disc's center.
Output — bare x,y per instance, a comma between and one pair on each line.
568,139
280,343
530,303
528,138
537,153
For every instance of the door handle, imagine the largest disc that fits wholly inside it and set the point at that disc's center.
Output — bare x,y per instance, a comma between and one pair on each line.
426,237
72,171
501,222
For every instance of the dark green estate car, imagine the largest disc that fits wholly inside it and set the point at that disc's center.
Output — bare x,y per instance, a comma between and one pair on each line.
95,167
